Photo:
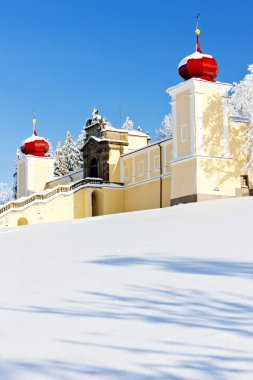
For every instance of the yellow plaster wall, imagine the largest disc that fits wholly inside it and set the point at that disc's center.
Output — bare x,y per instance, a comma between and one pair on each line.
59,208
213,131
136,142
65,180
128,162
168,147
113,200
141,160
38,172
184,178
183,118
154,156
166,192
219,174
114,165
143,196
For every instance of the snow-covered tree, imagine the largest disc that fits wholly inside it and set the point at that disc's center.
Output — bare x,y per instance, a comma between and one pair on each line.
68,156
60,166
6,193
50,152
81,138
71,153
128,124
166,130
241,103
242,96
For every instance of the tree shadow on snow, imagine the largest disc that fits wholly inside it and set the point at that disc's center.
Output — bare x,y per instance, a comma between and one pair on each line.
184,265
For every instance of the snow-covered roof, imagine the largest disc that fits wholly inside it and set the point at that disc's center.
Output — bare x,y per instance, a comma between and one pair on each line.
147,146
137,133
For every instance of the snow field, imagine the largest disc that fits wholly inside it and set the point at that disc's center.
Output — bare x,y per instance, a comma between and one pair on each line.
160,294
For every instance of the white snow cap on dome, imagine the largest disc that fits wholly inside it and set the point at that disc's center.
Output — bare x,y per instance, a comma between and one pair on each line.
195,55
33,138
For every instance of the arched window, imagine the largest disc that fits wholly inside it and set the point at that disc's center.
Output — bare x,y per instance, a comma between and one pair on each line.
22,222
93,168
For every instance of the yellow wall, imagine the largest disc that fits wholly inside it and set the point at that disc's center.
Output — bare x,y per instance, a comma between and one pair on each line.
114,165
184,178
183,119
33,173
141,166
217,177
213,130
136,142
155,161
169,156
143,196
56,209
128,169
66,179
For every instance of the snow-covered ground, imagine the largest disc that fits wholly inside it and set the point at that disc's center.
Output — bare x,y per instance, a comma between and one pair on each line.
161,294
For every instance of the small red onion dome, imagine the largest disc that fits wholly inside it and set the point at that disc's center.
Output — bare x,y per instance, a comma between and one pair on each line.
198,65
35,145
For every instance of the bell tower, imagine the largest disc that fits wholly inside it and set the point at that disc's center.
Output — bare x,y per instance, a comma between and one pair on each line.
34,169
200,113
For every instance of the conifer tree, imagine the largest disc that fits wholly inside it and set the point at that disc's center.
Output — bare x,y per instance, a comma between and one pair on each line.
166,129
128,124
60,166
6,193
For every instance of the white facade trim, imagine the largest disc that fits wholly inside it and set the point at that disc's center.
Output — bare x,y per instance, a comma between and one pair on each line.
191,83
174,123
122,171
191,156
183,134
164,160
126,173
133,171
199,123
30,176
156,165
140,168
148,174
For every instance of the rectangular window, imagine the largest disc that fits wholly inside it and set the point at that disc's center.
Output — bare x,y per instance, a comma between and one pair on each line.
126,171
244,181
140,168
183,133
157,163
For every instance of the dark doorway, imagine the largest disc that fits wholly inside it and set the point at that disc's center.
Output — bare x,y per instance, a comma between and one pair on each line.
94,168
96,201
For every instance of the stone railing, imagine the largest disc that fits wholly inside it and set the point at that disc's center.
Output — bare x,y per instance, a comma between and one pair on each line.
12,205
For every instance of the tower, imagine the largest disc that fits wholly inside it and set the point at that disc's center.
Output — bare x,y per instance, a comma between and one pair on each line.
34,169
201,161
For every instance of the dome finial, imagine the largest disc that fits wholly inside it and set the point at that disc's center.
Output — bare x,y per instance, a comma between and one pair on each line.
197,32
34,123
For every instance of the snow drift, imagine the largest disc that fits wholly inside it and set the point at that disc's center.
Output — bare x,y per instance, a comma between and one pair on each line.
161,294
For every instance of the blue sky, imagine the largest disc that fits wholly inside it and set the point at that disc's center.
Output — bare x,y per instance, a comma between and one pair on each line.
64,57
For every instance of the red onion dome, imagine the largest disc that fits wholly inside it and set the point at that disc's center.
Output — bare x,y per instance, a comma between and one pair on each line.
35,145
198,65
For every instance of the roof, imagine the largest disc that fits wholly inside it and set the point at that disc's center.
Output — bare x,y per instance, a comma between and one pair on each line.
147,146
